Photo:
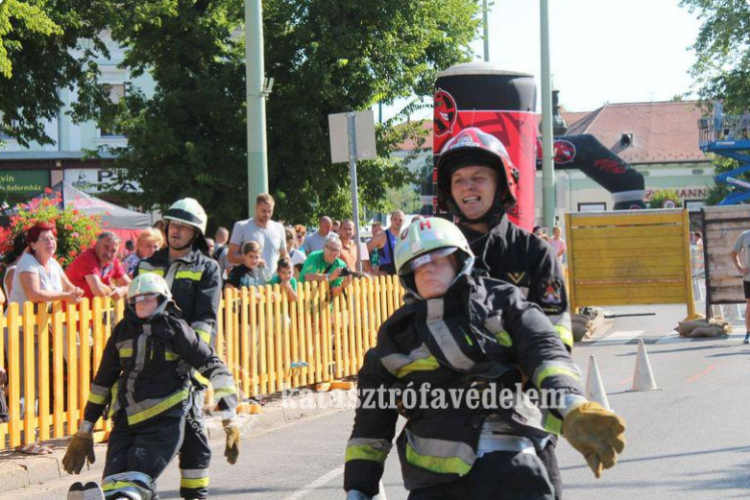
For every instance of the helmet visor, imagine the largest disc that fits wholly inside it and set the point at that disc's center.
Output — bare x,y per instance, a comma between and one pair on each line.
142,297
422,260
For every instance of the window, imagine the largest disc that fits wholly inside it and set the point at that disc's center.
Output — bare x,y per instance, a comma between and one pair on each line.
592,207
116,94
694,205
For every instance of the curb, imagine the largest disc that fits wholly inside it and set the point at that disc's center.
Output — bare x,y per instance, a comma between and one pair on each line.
19,471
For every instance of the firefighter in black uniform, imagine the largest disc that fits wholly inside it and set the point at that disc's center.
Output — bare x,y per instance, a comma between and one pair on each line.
477,183
144,380
461,332
195,281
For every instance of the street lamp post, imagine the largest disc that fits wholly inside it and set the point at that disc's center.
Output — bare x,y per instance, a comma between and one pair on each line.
257,155
486,32
548,167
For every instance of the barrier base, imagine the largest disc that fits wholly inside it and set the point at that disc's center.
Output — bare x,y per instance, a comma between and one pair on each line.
331,386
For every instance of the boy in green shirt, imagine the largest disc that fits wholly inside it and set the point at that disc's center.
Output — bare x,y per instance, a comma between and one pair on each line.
285,278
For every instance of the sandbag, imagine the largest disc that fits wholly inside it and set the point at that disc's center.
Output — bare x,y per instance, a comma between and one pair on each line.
713,327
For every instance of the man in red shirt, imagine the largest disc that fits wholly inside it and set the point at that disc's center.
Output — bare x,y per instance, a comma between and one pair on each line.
97,270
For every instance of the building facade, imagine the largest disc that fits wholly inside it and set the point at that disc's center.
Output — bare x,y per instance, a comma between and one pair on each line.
26,171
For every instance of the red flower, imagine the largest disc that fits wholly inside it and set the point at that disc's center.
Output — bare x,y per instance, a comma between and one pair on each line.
68,227
75,211
88,227
47,190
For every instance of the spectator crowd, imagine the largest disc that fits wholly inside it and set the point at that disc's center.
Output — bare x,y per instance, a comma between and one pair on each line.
258,251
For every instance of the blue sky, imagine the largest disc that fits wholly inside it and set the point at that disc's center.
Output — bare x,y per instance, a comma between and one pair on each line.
602,50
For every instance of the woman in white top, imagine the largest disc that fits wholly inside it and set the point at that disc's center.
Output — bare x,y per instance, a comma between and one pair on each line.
12,258
38,276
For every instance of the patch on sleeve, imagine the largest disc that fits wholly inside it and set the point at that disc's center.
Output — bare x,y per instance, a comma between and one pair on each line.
552,291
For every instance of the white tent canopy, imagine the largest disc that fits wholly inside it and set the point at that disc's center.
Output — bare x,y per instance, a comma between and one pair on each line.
115,217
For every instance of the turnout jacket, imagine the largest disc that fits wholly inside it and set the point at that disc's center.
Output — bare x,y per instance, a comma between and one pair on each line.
144,370
195,282
482,329
521,258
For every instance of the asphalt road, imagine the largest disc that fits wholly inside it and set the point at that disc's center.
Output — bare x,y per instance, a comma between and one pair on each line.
686,441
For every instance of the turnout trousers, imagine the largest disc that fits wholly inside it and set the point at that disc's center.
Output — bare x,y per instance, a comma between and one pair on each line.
500,475
195,453
137,456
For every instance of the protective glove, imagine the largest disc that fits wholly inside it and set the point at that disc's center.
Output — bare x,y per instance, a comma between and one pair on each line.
232,449
597,433
80,450
356,495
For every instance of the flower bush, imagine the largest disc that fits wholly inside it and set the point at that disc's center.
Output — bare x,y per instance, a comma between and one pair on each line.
75,231
665,198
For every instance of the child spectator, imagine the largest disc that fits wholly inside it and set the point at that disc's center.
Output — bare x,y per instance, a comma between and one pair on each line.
252,271
284,277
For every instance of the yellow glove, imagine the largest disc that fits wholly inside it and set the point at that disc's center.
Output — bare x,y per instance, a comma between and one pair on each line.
597,433
232,448
80,449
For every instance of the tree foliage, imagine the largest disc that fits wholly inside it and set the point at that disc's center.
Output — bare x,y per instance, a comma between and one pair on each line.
722,66
189,138
43,48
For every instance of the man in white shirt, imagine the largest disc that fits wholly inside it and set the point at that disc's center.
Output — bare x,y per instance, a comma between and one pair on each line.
261,228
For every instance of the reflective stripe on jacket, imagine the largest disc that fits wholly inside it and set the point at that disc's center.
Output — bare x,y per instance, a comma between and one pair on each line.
195,281
140,372
483,329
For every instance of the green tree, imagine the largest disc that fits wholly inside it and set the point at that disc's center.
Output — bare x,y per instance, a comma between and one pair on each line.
43,49
404,198
189,138
720,191
722,66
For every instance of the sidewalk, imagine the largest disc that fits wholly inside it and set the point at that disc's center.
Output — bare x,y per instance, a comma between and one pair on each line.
18,470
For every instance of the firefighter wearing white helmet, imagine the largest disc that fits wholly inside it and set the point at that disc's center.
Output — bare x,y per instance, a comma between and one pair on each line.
195,282
460,331
189,212
147,398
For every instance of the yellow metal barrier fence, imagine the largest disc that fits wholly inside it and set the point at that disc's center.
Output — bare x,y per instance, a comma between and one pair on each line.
268,342
629,257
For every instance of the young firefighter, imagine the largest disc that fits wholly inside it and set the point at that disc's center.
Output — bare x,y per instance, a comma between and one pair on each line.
460,331
144,378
